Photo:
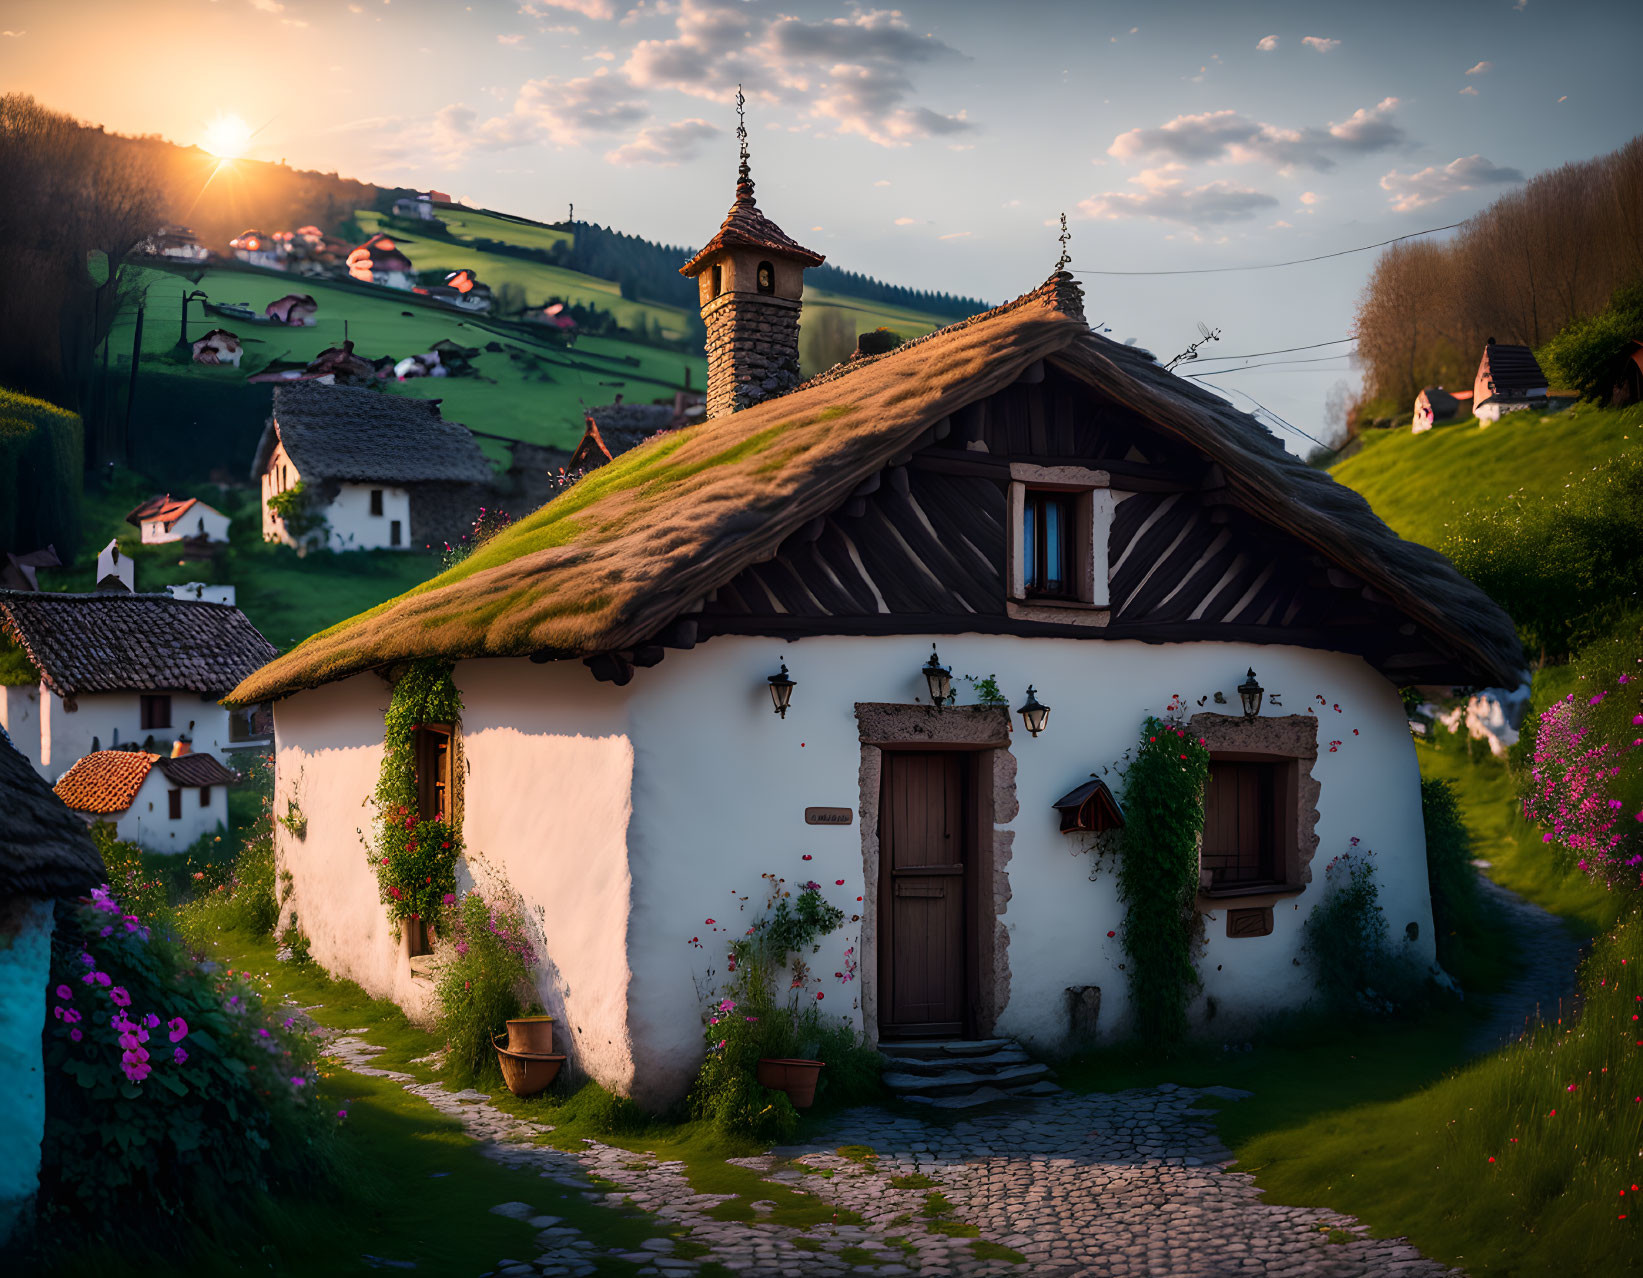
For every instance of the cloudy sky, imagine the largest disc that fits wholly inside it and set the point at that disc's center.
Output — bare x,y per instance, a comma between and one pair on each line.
933,144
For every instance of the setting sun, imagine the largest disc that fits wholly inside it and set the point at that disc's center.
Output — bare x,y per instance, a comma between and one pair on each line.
227,137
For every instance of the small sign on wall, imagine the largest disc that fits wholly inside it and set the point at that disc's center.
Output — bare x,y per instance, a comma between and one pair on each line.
828,816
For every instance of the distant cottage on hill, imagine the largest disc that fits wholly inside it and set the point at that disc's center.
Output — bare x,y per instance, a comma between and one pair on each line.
168,518
161,803
380,261
713,661
377,471
613,429
117,669
1508,380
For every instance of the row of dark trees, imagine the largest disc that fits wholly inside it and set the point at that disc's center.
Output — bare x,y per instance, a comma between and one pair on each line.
1550,253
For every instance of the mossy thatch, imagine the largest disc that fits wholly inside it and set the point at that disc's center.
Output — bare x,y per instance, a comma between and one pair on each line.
613,560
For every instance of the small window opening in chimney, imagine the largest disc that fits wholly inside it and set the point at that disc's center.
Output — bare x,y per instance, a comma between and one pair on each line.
718,280
767,278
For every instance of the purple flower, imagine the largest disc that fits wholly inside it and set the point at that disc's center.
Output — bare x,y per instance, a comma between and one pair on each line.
297,1080
120,997
179,1056
103,978
342,1113
75,1035
63,991
178,1028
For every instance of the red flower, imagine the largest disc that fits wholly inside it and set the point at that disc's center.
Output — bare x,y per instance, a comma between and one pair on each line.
838,882
1112,933
807,856
709,922
820,995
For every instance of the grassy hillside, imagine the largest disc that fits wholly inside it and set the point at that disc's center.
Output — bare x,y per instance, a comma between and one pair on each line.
1424,485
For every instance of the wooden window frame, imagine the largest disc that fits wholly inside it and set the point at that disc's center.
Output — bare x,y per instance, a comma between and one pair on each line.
174,805
433,743
147,707
1084,600
376,503
1283,779
205,796
758,283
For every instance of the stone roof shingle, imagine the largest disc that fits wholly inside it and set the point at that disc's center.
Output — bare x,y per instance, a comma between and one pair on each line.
120,642
350,433
44,848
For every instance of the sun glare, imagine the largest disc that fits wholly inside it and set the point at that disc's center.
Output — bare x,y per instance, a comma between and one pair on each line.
226,137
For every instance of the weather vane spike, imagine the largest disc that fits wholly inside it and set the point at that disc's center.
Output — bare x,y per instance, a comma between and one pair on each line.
1064,260
741,121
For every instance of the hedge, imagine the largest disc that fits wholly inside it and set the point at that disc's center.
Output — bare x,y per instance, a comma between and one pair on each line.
42,459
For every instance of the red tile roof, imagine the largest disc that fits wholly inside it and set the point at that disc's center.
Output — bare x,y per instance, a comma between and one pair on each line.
105,782
167,509
745,227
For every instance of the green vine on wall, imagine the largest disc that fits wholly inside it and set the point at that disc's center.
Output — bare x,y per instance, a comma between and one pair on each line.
415,860
1158,875
303,519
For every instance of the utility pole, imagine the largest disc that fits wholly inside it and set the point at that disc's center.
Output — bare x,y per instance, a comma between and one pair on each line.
131,393
570,217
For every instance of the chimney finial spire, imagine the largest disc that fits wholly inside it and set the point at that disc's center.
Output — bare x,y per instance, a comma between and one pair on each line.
1065,259
744,175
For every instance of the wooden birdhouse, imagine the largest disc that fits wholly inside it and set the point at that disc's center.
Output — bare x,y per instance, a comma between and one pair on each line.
1090,807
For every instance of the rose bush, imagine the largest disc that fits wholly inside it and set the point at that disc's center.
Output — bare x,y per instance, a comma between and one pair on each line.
484,959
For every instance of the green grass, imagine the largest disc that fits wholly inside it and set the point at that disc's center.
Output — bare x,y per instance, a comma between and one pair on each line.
1425,485
981,1249
540,402
915,1181
469,224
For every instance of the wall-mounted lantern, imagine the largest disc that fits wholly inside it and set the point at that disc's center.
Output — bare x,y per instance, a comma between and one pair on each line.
940,679
1034,715
781,690
1090,807
1249,692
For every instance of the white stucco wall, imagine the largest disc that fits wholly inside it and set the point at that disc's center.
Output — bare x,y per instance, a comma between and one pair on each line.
198,520
148,823
20,717
719,785
114,562
25,967
115,718
352,526
722,784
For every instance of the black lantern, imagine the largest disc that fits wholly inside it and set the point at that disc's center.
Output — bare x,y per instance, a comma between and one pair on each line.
1034,715
1249,692
940,679
781,690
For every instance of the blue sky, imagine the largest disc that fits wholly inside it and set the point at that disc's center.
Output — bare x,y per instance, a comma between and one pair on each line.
933,144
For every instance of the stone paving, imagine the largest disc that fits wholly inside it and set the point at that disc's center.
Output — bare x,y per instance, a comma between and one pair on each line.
1545,989
1129,1184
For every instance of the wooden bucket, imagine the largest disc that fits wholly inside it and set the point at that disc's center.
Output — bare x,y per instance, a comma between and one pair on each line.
532,1035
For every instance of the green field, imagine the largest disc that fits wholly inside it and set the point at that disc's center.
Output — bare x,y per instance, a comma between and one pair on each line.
470,224
539,397
1424,485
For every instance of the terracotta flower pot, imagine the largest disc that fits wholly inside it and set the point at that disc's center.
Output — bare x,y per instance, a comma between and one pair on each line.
796,1078
532,1035
526,1073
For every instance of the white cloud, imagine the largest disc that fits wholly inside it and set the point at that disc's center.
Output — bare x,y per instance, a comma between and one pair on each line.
956,235
882,182
13,35
664,144
1309,197
1470,91
563,112
1323,44
906,221
1233,137
1266,44
855,71
598,10
266,6
603,55
1481,68
510,39
1410,191
1165,196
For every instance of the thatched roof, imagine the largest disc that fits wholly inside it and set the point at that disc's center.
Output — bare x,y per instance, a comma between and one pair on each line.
115,641
44,848
610,562
367,436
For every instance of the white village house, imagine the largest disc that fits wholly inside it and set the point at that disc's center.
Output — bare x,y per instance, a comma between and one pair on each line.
1043,505
167,518
117,669
160,803
380,471
1508,380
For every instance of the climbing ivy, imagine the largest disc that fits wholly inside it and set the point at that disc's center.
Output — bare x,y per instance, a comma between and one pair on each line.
1158,875
415,860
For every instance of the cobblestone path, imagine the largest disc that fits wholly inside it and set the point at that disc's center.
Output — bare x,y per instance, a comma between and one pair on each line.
1124,1185
1545,988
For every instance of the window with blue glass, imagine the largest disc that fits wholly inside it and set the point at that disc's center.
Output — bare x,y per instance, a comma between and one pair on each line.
1047,544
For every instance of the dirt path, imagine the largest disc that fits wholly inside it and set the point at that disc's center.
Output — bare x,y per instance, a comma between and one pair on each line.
1545,988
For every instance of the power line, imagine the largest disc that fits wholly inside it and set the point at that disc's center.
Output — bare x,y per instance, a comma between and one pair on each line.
1258,404
1272,266
1216,372
1287,350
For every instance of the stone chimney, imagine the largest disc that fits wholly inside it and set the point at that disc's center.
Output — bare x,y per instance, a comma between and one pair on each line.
751,280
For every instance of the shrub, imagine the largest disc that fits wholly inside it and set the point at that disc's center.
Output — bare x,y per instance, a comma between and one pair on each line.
1583,356
751,1021
1566,568
171,1094
41,465
1158,874
303,520
484,961
487,523
1458,907
1348,944
142,889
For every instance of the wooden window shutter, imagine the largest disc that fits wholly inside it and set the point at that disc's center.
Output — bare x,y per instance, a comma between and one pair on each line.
433,772
175,799
1240,824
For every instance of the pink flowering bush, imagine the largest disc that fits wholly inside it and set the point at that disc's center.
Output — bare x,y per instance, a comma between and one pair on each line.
1585,775
169,1090
485,959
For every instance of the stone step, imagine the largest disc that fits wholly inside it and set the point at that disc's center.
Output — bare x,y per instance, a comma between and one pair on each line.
985,1096
936,1064
952,1081
934,1049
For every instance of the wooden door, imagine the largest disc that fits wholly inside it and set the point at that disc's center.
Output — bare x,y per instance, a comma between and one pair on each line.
924,848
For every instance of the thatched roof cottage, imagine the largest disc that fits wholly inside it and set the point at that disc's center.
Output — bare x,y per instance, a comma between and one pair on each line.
1051,510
